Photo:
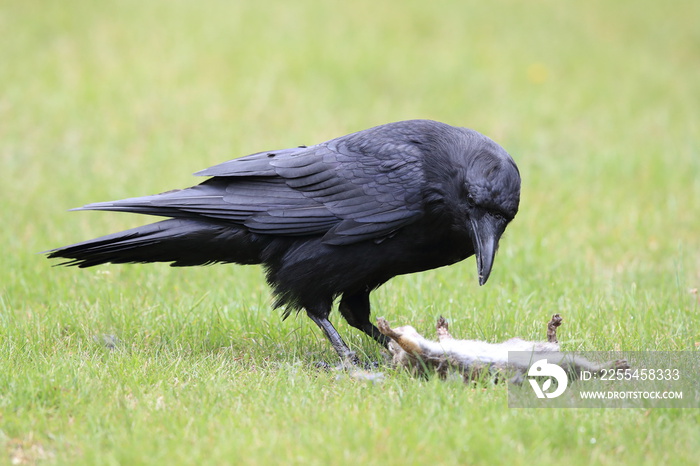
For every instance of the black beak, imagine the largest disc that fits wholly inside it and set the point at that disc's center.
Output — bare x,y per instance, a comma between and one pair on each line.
486,232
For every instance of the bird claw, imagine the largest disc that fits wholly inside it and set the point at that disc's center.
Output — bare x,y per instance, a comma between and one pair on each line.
350,363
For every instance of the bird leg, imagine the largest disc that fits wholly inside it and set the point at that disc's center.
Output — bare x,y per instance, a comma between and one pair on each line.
347,356
355,309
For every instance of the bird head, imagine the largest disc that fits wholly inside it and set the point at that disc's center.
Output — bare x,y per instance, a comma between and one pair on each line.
490,196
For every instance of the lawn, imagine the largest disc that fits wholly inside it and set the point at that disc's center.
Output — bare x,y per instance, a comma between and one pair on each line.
146,364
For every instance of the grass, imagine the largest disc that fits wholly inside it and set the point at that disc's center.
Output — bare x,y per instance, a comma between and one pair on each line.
99,101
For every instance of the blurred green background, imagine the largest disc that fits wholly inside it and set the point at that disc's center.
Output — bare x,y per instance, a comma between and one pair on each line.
596,101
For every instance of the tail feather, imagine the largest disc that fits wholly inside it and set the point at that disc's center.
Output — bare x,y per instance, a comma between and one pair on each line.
179,241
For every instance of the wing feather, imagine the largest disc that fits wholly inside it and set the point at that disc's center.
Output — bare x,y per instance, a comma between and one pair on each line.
362,186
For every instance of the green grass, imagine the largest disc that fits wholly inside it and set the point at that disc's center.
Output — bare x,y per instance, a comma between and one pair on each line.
597,102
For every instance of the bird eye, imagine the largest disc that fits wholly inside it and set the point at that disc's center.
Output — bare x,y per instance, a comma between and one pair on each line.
470,199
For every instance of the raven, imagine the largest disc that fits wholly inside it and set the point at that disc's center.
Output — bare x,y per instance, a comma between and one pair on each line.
337,219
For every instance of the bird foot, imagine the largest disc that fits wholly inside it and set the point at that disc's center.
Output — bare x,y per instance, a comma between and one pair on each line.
350,363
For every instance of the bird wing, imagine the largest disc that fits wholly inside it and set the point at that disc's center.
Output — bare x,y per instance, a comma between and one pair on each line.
353,188
349,189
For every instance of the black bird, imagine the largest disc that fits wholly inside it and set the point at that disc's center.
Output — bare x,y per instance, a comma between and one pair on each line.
337,219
